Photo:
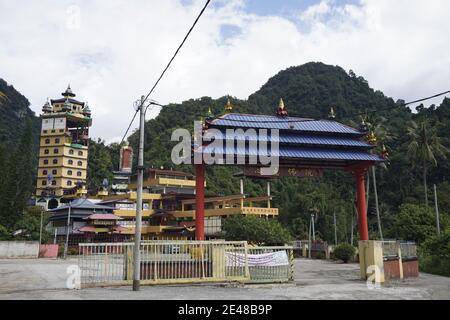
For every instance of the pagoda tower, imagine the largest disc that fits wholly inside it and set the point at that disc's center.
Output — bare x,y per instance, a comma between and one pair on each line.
63,150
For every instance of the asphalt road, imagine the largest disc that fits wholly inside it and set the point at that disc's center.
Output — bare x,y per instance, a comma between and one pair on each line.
314,279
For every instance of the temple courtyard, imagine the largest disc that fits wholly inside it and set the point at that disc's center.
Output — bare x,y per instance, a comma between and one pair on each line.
314,279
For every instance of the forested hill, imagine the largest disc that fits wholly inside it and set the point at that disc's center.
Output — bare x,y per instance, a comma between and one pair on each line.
309,91
14,113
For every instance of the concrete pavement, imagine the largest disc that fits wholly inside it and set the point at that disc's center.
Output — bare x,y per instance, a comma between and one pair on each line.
315,279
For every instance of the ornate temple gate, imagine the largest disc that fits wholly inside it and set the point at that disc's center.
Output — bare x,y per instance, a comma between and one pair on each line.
306,148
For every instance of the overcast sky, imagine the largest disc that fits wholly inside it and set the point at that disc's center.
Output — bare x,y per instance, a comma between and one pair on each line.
112,51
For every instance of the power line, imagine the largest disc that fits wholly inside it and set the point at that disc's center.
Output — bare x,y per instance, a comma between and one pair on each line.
398,105
290,120
167,67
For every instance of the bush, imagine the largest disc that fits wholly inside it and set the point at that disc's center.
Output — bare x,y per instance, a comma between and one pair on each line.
320,255
255,230
344,252
416,222
434,255
4,234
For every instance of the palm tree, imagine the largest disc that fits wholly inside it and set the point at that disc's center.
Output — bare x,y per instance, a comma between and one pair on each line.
424,147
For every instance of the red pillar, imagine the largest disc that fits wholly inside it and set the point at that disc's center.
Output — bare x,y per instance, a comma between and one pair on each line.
200,202
361,201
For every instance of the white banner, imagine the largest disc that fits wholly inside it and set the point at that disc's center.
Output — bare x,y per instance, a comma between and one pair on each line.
272,259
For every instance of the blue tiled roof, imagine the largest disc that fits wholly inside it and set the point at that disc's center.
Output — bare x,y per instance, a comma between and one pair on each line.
297,153
288,138
288,123
327,142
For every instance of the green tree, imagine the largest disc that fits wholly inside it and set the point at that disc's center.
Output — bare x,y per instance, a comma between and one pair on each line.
415,222
434,255
424,148
30,225
255,230
100,165
4,233
17,182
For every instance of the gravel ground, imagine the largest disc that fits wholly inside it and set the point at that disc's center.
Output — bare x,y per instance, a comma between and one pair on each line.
314,279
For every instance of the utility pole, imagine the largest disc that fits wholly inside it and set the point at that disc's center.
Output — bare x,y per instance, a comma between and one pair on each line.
438,227
40,230
66,244
309,239
377,207
140,181
335,228
313,231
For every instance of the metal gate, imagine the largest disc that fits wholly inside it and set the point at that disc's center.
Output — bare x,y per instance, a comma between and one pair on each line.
176,262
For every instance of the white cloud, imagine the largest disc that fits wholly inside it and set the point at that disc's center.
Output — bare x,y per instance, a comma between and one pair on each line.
115,49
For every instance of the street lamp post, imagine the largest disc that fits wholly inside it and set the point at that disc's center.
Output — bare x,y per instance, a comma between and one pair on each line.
140,181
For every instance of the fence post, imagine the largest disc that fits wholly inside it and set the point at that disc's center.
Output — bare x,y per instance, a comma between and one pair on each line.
129,263
400,259
291,264
247,271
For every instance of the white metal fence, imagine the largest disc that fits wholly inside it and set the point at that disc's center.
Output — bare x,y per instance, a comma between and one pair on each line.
165,262
396,249
271,264
408,250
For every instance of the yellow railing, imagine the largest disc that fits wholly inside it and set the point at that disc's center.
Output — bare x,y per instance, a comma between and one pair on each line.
228,212
132,213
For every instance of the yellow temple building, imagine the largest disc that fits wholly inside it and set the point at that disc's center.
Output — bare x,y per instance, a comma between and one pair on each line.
63,150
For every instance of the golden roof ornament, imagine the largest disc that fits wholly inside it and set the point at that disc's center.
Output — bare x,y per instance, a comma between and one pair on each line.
371,138
228,106
282,111
209,115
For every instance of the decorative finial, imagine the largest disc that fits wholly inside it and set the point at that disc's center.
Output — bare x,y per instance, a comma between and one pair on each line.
228,106
66,105
371,138
87,110
68,92
209,115
47,108
332,114
385,153
282,111
363,127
